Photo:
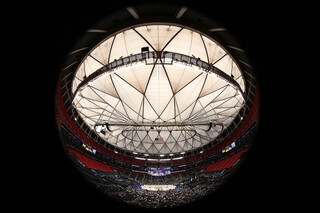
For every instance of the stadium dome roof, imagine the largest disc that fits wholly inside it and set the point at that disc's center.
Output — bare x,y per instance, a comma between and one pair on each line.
157,100
158,88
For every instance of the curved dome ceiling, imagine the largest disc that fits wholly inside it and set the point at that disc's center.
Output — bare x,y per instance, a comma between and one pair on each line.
158,89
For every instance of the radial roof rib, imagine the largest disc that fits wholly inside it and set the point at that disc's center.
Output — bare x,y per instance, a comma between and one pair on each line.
158,89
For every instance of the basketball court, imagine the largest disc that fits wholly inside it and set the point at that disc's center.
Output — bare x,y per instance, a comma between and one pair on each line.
158,187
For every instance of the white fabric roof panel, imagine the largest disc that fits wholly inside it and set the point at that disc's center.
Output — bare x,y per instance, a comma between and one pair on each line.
158,35
158,93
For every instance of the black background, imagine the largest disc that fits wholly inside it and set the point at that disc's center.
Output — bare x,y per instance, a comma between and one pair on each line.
264,29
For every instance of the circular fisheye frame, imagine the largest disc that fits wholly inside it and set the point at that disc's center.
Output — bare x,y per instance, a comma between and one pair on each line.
157,113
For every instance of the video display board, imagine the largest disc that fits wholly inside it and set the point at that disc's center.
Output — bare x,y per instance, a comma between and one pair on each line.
159,171
88,148
228,148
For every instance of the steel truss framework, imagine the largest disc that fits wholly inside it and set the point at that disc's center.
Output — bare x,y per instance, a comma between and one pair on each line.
163,58
177,97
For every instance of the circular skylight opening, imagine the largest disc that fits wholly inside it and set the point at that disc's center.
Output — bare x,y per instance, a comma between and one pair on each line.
158,89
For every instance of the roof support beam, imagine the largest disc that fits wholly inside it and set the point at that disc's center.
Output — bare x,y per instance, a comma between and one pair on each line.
142,57
158,124
181,12
133,12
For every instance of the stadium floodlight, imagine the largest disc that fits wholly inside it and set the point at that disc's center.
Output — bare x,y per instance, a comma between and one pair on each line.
177,158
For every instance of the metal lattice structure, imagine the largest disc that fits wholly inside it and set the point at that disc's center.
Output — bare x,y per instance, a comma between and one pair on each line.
158,89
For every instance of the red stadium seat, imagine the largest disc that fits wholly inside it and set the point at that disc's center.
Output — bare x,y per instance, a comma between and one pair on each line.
90,162
226,162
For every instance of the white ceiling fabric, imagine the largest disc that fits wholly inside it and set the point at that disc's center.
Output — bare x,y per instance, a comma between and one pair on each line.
159,93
